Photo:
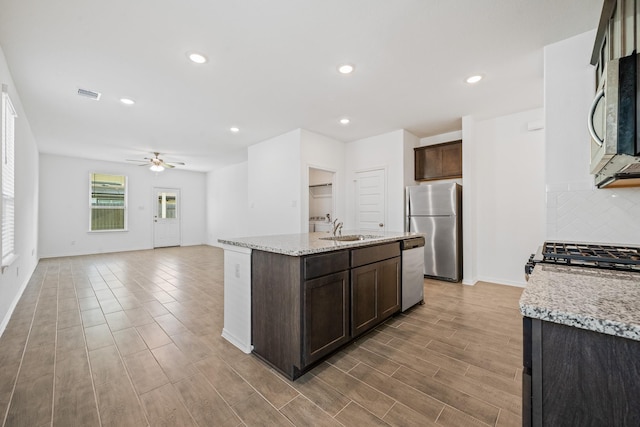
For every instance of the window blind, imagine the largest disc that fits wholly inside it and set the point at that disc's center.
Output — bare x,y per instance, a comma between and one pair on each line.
8,188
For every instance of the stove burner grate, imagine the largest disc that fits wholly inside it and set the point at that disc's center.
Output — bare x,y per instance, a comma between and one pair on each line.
592,255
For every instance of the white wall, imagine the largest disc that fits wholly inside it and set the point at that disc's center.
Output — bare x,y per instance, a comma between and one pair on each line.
442,138
387,152
569,83
469,202
319,176
506,214
410,141
14,279
576,210
227,206
64,206
274,185
269,194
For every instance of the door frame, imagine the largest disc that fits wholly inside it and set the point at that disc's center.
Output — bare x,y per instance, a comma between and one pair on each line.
154,206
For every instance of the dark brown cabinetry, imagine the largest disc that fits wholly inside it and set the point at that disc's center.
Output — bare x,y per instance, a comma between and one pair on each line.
576,377
304,308
441,161
375,286
325,305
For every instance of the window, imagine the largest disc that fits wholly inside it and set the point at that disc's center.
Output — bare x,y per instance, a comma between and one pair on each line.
167,205
7,166
108,202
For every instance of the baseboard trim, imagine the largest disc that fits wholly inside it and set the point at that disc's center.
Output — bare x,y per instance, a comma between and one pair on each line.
246,348
16,299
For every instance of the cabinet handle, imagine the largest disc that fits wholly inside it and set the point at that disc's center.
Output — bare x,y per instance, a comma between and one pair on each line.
592,111
381,225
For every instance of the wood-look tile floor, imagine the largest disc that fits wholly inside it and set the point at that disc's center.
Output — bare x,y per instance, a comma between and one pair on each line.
133,339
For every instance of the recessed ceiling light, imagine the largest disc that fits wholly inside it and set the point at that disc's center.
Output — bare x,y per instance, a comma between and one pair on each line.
127,101
346,69
345,121
197,58
234,129
474,79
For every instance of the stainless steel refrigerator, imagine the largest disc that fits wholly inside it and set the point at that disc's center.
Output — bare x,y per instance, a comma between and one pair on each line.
435,210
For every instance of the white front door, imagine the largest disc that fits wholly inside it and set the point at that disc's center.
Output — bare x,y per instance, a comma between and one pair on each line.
166,217
370,200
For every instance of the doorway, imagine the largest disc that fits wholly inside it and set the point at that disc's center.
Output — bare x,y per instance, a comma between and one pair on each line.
166,217
370,200
321,199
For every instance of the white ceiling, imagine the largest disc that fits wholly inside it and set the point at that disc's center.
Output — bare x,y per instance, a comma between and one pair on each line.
272,68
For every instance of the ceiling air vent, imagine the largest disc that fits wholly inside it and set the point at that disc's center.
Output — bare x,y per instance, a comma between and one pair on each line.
89,94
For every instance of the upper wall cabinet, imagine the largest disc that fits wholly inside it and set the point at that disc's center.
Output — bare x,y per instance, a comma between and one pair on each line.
441,161
616,35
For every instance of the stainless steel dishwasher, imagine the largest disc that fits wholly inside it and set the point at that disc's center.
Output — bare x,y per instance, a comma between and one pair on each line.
412,271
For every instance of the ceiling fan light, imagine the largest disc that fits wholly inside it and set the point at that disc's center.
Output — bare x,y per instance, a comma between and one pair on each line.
156,168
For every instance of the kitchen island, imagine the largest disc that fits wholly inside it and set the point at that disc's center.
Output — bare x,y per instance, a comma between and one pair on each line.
293,299
581,346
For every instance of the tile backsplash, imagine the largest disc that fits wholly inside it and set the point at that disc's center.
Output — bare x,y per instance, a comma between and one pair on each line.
593,215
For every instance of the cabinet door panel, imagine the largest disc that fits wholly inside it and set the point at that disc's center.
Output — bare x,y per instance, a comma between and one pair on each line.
452,160
388,287
440,161
326,315
364,298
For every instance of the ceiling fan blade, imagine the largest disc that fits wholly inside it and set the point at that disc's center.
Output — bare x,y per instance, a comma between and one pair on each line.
136,160
167,165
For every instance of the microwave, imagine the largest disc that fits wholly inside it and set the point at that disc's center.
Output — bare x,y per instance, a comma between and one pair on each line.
614,124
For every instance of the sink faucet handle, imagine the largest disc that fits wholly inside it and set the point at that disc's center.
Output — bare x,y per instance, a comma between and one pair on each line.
337,226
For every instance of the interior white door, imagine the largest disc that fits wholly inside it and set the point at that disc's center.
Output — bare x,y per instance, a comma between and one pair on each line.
166,217
370,200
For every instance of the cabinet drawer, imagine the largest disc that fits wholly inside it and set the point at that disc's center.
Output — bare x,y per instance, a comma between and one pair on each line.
321,265
373,254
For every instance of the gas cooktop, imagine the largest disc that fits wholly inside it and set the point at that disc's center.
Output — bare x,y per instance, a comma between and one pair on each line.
625,258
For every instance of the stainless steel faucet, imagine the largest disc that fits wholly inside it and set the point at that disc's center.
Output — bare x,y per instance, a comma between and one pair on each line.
337,228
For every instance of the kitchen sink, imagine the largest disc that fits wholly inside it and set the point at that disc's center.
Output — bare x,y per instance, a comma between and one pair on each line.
350,237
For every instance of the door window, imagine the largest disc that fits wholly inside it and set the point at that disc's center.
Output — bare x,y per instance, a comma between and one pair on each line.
166,206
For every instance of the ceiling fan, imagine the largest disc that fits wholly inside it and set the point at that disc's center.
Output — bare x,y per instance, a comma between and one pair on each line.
157,164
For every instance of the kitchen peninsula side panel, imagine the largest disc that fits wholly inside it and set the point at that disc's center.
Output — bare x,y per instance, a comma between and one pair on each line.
275,303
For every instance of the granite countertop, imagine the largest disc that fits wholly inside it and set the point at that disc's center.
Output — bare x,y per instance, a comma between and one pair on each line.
310,243
598,300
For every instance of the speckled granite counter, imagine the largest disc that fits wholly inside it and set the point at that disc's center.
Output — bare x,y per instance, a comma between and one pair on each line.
603,301
311,243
